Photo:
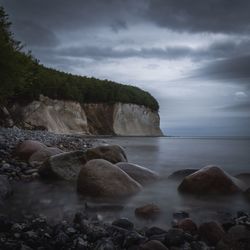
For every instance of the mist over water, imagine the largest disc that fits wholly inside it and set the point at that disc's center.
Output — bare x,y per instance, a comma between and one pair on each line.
163,155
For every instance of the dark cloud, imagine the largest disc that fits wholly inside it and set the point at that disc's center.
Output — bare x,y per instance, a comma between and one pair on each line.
35,35
235,69
225,16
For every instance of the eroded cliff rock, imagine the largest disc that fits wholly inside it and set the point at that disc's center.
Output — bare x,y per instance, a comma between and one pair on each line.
97,119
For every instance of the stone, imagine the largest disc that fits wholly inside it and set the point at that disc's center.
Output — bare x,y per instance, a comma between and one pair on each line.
245,177
247,194
5,187
179,175
211,232
101,179
237,237
26,148
42,155
210,180
64,166
142,175
132,239
105,244
111,153
187,225
174,237
153,245
180,215
149,211
154,231
123,223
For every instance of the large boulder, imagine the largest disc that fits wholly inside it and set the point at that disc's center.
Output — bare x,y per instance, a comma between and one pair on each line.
140,174
64,166
210,180
5,187
101,179
111,153
42,155
28,147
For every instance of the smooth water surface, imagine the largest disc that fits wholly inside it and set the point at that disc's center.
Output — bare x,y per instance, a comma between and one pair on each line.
162,154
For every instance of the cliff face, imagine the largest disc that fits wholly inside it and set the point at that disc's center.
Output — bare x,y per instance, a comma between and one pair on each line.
97,119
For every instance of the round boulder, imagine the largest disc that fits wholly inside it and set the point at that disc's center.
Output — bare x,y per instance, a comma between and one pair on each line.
187,225
140,174
26,148
210,180
101,179
111,153
149,211
42,155
64,166
211,232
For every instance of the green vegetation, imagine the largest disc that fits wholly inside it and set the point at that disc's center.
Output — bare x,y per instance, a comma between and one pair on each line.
22,78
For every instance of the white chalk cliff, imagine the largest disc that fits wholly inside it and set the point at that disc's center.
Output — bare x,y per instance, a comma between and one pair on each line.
98,119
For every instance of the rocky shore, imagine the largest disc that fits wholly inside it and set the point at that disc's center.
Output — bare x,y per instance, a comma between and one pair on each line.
88,231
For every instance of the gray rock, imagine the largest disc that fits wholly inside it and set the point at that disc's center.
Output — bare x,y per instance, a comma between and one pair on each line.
42,155
210,180
123,223
65,166
111,153
174,237
181,174
153,245
140,174
101,179
5,187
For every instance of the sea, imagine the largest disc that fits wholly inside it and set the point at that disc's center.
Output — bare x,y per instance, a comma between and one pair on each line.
164,155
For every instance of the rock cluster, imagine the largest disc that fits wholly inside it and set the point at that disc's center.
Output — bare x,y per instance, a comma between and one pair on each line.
35,232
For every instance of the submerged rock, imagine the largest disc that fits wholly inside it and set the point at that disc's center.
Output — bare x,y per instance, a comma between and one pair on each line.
111,153
149,211
100,178
181,174
210,180
26,148
64,166
140,174
187,225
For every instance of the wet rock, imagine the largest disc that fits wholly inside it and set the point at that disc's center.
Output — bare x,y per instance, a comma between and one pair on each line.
245,177
247,194
5,223
199,245
123,223
211,232
105,244
154,231
111,153
140,174
238,237
181,174
210,180
133,239
174,237
80,244
101,179
42,155
65,166
5,187
28,147
153,245
187,225
149,211
180,215
61,239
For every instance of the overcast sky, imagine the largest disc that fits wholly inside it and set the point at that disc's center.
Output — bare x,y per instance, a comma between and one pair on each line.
192,55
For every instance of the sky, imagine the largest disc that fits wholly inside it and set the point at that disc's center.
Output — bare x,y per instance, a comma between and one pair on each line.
193,56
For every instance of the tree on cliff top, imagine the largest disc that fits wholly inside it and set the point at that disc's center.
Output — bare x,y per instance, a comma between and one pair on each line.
23,79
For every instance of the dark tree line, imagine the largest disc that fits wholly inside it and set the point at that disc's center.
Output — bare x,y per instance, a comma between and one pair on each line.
22,78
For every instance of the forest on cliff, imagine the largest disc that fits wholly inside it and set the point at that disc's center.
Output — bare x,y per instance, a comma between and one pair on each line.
23,79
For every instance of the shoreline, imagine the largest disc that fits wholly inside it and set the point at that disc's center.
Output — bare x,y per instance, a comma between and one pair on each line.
84,230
